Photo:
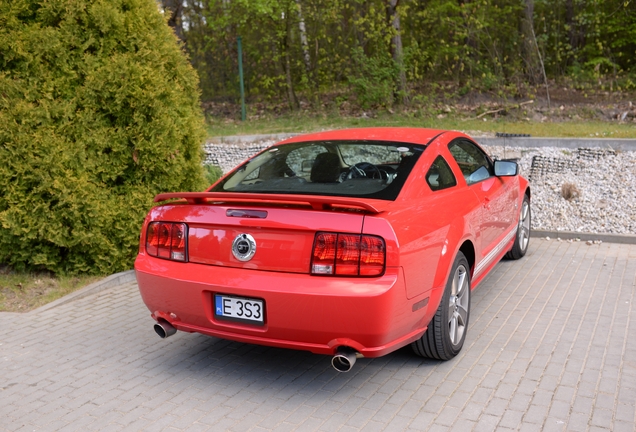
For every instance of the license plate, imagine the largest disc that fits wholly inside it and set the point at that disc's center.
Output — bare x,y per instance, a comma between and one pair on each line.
241,309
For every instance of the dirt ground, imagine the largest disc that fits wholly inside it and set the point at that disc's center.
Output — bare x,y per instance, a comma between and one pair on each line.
564,104
22,292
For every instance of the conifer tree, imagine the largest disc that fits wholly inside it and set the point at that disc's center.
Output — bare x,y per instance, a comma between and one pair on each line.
99,112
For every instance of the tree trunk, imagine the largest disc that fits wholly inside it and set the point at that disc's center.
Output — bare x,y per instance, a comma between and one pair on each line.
529,49
576,35
303,39
291,95
174,8
396,48
569,22
472,56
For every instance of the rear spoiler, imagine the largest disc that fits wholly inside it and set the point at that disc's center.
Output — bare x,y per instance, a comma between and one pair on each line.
316,202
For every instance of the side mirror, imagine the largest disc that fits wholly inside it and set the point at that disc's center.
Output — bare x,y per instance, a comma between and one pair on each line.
506,168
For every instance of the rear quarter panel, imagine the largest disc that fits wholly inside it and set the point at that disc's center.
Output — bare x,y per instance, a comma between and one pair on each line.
430,226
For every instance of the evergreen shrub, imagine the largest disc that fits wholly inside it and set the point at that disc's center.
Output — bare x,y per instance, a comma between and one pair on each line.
212,173
99,112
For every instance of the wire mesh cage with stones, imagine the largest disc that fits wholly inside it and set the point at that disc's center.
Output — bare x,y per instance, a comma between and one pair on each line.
593,154
542,165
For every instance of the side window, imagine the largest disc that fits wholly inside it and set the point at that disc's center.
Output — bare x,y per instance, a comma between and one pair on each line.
472,161
440,176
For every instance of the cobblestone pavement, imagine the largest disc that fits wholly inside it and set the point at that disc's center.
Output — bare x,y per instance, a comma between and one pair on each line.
550,347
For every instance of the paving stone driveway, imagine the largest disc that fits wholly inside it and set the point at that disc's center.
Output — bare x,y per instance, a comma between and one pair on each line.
550,347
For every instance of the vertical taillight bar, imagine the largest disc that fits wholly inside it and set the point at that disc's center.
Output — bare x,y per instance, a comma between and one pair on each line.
164,240
177,245
348,255
324,254
152,239
372,256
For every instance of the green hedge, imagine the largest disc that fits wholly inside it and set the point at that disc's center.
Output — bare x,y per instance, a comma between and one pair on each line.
99,112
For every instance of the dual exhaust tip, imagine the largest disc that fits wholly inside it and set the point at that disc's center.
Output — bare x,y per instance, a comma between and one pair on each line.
342,361
164,329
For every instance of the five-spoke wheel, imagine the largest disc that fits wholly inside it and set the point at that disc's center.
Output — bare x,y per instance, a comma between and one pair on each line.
520,246
458,303
446,332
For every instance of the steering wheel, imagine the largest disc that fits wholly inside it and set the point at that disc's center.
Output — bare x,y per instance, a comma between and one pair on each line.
362,170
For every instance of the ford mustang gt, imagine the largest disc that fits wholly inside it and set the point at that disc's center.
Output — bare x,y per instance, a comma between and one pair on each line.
349,243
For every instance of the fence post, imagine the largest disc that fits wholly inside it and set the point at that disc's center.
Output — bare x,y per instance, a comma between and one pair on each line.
240,65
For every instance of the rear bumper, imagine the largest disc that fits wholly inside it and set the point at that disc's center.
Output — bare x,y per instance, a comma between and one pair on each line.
317,314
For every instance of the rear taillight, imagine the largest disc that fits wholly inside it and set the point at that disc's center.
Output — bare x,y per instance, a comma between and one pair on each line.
372,256
348,255
167,240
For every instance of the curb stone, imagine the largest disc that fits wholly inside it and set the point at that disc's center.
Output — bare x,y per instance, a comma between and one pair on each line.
570,235
625,144
108,282
238,139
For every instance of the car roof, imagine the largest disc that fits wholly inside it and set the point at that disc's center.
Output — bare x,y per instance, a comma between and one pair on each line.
402,134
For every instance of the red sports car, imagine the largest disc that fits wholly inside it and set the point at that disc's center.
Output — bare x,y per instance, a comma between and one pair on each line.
351,243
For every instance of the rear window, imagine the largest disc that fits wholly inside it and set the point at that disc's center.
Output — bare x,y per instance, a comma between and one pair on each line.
368,169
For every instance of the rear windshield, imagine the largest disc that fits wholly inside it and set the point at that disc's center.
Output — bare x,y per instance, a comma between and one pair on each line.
368,169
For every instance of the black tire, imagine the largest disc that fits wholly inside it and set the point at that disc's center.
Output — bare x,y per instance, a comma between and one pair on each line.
522,238
446,332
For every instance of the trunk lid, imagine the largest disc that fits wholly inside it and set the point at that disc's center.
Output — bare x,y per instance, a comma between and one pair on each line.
283,233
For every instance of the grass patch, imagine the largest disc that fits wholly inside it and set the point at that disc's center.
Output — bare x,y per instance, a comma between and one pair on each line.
22,292
299,123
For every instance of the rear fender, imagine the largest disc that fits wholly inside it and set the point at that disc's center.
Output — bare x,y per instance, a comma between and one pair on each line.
381,227
450,250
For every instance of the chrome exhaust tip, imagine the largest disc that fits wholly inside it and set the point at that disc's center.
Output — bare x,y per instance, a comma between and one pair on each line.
344,359
164,329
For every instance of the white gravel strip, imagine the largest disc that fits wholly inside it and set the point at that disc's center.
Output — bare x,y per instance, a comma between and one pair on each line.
606,185
604,188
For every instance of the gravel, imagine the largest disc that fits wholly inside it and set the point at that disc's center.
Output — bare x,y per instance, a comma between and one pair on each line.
600,184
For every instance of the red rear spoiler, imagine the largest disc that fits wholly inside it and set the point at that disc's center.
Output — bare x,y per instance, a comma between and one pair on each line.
316,202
